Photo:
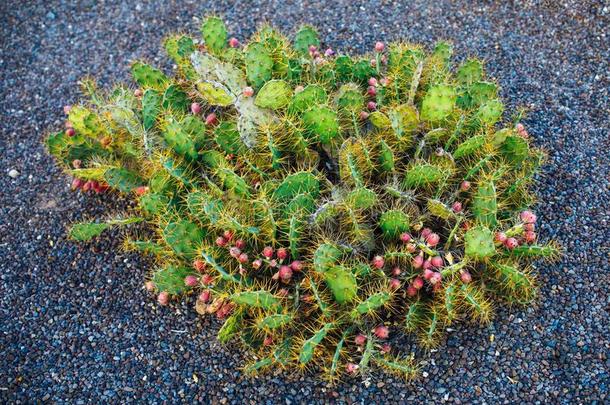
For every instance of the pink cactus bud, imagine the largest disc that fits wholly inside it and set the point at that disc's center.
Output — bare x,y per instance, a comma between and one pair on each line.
371,105
138,93
379,46
382,332
312,48
520,127
268,341
386,348
411,291
436,287
273,263
428,274
220,241
296,265
283,292
235,252
364,115
378,262
233,42
394,284
411,248
528,217
195,108
243,258
433,239
465,186
360,339
190,281
282,253
76,184
207,279
372,81
405,237
199,265
205,296
268,252
211,120
70,132
384,81
248,91
511,243
425,232
500,237
437,261
436,278
285,272
329,52
163,298
418,262
372,91
373,63
240,243
396,271
465,277
529,227
427,264
529,236
150,286
87,186
141,190
67,109
228,235
351,368
257,263
457,207
417,283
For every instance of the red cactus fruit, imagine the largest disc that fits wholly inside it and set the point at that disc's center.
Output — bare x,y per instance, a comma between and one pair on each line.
436,278
364,115
205,296
433,239
195,108
329,52
233,42
257,263
87,186
437,261
228,235
268,252
465,277
411,248
396,271
425,232
268,341
240,243
248,91
428,274
282,253
234,252
382,332
191,281
221,241
77,163
351,368
500,237
207,279
386,348
67,109
282,292
378,262
243,258
371,105
394,284
285,273
70,132
163,298
371,91
405,237
296,265
76,184
529,227
529,236
511,243
528,217
199,265
373,62
457,207
211,120
418,262
411,291
360,339
372,81
417,283
379,46
141,190
465,185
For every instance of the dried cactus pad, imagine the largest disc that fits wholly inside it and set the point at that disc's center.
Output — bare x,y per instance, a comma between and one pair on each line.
321,206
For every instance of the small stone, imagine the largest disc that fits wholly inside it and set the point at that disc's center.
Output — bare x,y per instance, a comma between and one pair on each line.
13,173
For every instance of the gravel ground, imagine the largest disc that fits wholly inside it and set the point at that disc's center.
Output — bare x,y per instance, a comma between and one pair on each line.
76,324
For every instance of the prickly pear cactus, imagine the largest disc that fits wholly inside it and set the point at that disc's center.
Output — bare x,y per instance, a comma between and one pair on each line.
318,205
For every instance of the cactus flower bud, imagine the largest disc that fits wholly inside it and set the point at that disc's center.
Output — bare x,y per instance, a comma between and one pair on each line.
378,262
465,185
282,253
248,91
457,207
195,108
70,132
379,46
511,243
190,281
163,298
285,273
417,283
233,42
382,332
465,277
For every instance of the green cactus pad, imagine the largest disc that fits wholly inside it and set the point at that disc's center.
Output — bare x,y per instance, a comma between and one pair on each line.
297,183
274,321
469,72
215,94
154,204
325,256
322,123
342,283
423,175
386,158
479,243
372,303
438,103
148,76
227,137
403,119
122,179
184,237
179,140
350,98
256,299
490,112
171,279
304,38
151,104
214,34
393,223
361,198
515,150
484,204
175,99
469,147
307,351
259,64
275,94
308,97
344,68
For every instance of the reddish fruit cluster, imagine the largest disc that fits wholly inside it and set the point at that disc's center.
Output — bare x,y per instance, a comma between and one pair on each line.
89,185
521,131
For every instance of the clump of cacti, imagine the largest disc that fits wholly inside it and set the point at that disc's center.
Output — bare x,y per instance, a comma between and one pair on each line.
318,204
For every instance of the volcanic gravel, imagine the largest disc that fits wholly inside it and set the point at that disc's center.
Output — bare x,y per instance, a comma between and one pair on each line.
76,324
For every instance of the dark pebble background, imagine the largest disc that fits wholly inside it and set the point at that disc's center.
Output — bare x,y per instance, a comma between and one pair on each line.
76,325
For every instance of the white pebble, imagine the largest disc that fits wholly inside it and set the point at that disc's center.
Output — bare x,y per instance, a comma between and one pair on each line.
13,173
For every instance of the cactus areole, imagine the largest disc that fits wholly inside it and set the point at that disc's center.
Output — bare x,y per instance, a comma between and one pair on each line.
284,186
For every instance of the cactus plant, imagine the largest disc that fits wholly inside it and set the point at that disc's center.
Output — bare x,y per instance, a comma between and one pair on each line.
317,205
